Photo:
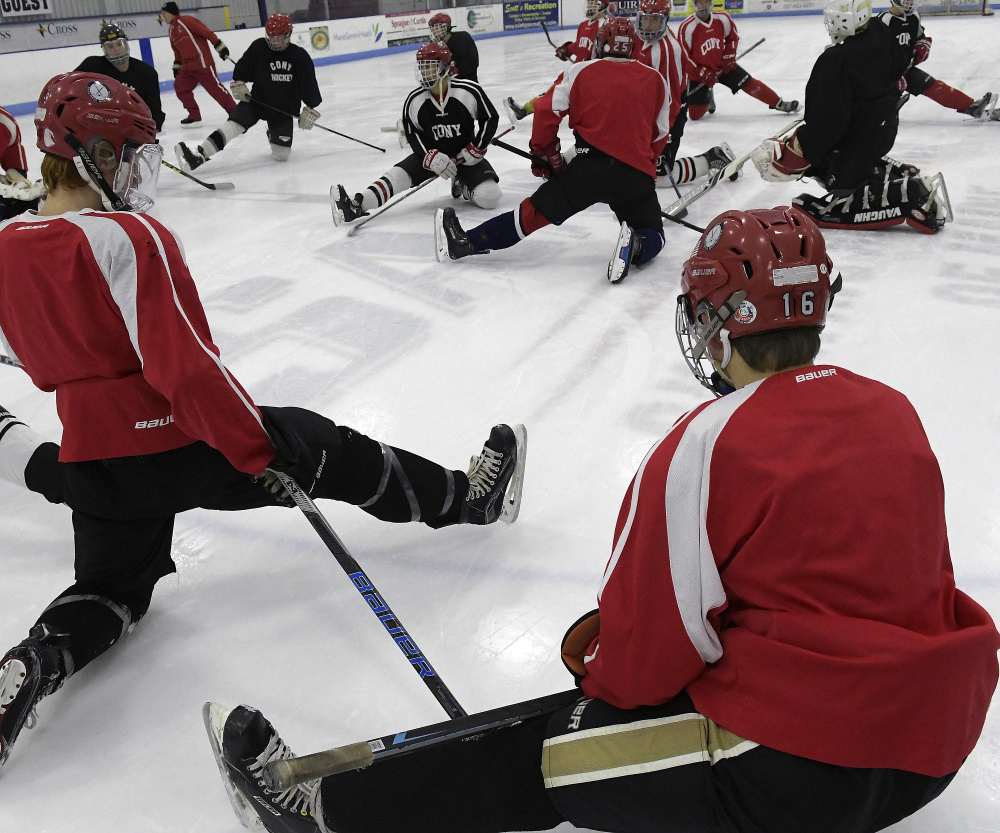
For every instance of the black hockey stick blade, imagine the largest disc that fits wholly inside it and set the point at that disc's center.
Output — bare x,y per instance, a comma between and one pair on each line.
211,186
366,588
547,36
286,773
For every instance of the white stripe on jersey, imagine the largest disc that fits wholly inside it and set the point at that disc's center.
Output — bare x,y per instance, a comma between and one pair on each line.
197,48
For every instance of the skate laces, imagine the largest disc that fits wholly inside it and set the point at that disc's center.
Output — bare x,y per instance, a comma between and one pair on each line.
297,799
483,472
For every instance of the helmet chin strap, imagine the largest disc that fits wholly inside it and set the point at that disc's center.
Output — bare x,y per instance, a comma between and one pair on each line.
93,176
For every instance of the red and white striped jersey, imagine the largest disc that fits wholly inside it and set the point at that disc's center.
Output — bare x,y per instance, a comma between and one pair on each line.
782,556
582,49
192,42
706,43
100,307
667,57
619,106
11,151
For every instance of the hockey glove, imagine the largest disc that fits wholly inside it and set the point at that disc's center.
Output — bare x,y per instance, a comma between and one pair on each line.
239,90
471,155
706,75
307,447
551,154
308,117
440,163
177,68
728,63
563,53
778,160
223,50
901,85
922,50
577,641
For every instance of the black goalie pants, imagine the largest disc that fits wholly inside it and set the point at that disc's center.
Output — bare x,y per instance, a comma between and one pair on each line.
656,769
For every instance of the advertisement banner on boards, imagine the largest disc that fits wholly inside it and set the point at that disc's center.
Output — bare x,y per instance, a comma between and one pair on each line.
407,27
48,34
24,8
478,20
342,37
530,14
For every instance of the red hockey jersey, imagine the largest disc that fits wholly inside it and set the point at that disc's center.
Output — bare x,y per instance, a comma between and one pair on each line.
582,49
101,308
666,56
782,555
192,42
11,151
706,43
619,106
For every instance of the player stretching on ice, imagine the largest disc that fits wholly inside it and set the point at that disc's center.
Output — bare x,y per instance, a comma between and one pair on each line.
908,30
153,421
710,40
779,644
449,124
619,111
283,76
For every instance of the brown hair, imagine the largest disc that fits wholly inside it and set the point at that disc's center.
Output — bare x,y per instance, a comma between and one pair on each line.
58,172
777,350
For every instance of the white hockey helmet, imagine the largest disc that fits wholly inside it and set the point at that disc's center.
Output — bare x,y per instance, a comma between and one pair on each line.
844,18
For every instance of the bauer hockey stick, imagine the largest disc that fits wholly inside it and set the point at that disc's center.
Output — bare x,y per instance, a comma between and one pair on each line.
286,773
316,124
374,599
211,186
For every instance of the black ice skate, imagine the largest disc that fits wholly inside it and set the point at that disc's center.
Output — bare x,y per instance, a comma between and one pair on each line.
627,249
457,190
450,238
345,210
29,672
244,742
787,106
720,156
515,112
191,121
496,477
985,108
189,159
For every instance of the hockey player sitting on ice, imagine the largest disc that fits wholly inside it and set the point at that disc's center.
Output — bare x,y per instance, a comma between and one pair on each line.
581,49
710,40
463,48
449,124
659,48
153,422
619,111
850,124
117,63
908,31
283,77
779,643
17,193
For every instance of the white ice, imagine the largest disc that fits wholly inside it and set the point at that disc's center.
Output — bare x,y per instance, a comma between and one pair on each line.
371,331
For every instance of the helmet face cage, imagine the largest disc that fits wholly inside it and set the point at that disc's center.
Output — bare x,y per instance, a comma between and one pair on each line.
650,26
844,18
440,26
595,8
114,44
703,9
278,32
906,6
433,64
137,175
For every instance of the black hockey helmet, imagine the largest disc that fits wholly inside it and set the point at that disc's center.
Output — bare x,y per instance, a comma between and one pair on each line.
114,43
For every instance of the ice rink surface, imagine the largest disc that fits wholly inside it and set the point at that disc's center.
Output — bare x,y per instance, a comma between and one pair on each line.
372,332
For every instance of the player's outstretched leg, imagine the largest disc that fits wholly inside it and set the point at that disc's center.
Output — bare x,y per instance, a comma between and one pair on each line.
189,160
634,247
515,111
496,477
450,238
985,108
345,209
244,742
689,168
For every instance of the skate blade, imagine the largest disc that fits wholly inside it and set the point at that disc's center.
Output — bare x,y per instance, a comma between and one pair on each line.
618,266
338,215
440,238
215,716
940,191
512,497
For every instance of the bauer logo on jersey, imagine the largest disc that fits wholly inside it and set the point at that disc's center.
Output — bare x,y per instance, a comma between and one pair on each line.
98,92
712,237
745,313
793,275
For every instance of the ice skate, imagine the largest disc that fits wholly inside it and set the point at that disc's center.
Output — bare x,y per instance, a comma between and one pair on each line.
450,238
496,477
515,112
720,156
243,743
189,159
191,121
30,671
625,252
984,109
787,106
457,190
345,210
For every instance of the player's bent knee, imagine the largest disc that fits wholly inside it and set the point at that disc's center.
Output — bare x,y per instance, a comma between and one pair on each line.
486,194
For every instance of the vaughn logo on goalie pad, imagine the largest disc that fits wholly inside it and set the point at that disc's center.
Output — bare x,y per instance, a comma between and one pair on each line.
875,216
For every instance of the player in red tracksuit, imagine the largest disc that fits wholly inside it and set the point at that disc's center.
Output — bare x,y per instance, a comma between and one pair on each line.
17,193
97,304
779,643
710,40
194,63
619,111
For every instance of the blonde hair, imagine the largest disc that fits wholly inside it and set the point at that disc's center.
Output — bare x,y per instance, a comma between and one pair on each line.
58,172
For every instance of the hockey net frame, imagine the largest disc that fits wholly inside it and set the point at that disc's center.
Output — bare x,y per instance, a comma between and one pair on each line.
928,8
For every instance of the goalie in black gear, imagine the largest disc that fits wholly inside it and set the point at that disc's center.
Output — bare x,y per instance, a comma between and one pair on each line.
850,125
448,124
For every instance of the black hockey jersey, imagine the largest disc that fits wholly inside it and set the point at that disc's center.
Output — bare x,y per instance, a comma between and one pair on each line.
468,116
465,54
285,79
906,31
139,75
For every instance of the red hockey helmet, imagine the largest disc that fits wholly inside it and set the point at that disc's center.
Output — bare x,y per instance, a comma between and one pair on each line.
615,38
440,25
433,63
278,31
651,21
595,8
96,121
752,272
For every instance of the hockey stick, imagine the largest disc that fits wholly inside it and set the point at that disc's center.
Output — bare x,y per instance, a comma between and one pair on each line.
538,160
673,184
733,167
547,37
283,774
378,605
211,186
317,124
746,51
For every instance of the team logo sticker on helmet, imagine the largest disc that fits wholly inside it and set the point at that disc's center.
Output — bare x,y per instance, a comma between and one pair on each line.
746,312
712,236
98,92
48,138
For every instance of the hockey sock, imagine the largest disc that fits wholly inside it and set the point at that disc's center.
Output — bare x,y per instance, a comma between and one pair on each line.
382,189
218,139
948,96
761,92
507,229
650,244
690,168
